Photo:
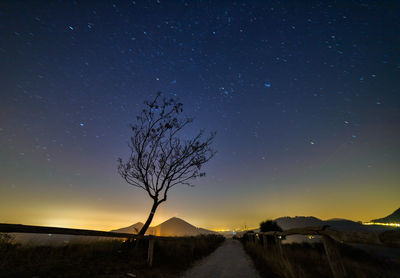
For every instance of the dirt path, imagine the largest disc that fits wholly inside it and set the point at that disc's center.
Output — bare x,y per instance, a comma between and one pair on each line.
229,260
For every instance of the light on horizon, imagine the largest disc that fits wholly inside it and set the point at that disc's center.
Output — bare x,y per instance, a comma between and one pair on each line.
383,224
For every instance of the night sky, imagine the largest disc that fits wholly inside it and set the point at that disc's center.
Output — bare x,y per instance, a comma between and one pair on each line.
304,97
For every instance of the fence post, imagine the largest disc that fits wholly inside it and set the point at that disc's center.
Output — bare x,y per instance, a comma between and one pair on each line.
278,246
269,242
150,252
251,237
265,244
334,259
285,265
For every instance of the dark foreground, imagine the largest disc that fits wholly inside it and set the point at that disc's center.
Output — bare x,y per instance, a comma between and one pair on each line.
108,258
309,261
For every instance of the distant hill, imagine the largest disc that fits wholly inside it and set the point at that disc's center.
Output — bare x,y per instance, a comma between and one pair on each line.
53,239
336,223
392,218
132,229
310,221
346,225
298,222
172,227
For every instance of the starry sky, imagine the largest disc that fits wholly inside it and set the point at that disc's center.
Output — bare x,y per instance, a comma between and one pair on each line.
304,97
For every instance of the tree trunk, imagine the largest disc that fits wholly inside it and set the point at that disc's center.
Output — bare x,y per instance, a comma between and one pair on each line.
149,219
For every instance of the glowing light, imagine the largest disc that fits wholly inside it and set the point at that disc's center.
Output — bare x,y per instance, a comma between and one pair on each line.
222,230
383,224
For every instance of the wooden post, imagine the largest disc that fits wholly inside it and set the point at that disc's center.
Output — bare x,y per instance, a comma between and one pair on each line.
269,242
150,252
265,244
251,237
278,246
334,259
286,266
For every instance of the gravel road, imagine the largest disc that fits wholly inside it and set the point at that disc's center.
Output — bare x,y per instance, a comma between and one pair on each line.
229,260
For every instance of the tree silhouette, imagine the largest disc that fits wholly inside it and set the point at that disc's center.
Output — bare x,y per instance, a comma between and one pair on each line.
159,157
269,225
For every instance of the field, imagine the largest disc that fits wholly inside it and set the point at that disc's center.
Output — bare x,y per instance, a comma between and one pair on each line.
109,258
309,260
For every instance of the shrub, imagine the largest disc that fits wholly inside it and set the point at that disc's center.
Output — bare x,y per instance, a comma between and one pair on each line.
269,225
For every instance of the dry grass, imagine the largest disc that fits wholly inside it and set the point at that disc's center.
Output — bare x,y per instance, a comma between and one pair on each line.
112,258
309,261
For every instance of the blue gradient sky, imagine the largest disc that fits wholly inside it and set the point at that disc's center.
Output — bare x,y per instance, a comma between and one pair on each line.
304,97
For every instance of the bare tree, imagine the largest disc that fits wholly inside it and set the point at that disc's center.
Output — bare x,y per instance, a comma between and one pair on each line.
159,158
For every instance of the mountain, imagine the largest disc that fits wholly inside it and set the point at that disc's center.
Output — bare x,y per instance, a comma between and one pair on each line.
172,227
392,218
178,227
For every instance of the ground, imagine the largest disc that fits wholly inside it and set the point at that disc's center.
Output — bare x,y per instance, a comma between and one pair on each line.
229,260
